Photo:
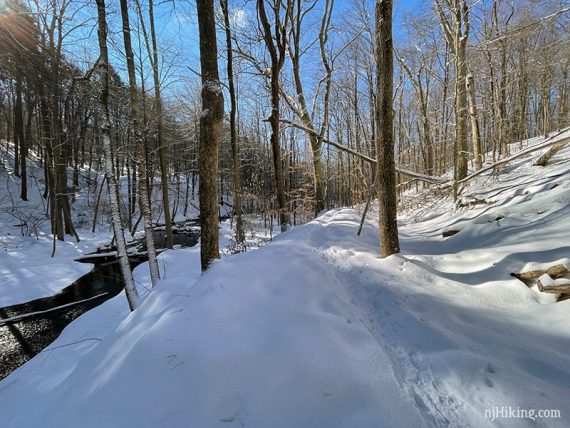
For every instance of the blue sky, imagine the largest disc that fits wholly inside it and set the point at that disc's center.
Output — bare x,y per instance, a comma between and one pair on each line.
178,33
406,8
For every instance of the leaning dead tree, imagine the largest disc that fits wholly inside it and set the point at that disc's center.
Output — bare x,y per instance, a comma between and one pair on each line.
545,158
416,175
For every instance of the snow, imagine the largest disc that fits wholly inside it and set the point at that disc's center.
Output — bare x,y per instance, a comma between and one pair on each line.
27,270
314,330
23,281
212,85
546,280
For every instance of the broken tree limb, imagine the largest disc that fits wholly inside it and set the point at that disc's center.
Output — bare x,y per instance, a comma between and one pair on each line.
549,142
72,343
57,308
329,142
558,286
371,193
416,175
438,180
543,160
556,271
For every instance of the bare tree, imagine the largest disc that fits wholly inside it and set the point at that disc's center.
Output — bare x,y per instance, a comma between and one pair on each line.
456,33
421,94
237,202
299,105
103,64
159,127
276,45
475,132
144,195
211,128
385,170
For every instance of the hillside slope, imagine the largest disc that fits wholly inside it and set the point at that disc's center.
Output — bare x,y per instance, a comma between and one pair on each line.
313,330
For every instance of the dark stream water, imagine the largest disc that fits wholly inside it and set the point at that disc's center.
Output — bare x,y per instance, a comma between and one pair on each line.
21,340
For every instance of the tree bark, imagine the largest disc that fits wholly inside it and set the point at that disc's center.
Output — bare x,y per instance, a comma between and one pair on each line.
159,130
277,54
475,133
130,289
144,194
240,236
211,128
385,171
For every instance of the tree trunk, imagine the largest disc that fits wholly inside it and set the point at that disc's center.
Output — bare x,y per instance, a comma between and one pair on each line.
385,171
26,143
277,55
159,130
211,127
240,236
144,199
475,133
18,125
460,109
130,289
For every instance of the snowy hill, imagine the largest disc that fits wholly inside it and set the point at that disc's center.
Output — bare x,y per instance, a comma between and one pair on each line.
314,330
28,270
25,230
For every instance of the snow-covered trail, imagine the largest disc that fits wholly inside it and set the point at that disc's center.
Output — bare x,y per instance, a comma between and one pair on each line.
457,347
313,330
380,312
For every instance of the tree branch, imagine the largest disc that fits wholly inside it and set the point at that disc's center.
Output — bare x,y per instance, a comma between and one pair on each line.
416,175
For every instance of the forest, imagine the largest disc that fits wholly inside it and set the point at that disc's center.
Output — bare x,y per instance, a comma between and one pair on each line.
284,213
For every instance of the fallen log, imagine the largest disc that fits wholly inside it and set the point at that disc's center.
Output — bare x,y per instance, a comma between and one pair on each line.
556,271
543,160
552,140
473,202
18,318
558,286
416,175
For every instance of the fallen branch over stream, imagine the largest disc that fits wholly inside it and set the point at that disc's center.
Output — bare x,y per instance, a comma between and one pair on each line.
57,308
